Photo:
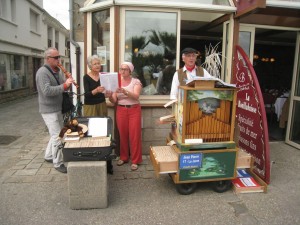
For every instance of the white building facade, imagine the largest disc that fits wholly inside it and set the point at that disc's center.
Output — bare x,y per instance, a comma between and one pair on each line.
27,30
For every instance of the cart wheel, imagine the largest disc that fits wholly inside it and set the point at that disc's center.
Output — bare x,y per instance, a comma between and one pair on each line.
186,189
221,186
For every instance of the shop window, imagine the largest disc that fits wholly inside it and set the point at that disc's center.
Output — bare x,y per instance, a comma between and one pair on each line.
18,71
101,37
150,44
13,72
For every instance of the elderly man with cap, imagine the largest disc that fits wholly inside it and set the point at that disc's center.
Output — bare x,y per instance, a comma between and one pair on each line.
189,70
128,116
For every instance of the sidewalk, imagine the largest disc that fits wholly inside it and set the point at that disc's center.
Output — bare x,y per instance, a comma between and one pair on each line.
33,192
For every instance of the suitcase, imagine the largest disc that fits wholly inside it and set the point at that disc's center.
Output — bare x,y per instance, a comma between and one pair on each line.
91,148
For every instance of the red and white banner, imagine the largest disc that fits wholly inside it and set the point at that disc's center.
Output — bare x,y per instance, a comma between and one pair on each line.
251,120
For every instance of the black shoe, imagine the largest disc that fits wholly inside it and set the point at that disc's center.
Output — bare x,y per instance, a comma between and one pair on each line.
61,168
49,160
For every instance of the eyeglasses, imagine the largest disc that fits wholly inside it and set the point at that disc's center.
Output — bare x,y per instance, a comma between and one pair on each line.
124,69
54,57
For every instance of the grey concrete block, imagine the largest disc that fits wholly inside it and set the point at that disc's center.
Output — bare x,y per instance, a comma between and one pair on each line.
88,188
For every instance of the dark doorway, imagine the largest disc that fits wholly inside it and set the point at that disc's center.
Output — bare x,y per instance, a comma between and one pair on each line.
273,62
36,65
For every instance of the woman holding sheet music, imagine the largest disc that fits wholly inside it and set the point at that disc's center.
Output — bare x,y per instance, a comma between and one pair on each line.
94,97
128,116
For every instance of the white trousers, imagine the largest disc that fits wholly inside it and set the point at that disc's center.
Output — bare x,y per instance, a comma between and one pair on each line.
54,122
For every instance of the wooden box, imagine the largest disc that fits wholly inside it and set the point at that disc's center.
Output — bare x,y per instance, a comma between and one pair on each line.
204,115
164,159
244,160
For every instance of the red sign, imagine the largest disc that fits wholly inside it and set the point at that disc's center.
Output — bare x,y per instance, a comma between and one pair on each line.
250,115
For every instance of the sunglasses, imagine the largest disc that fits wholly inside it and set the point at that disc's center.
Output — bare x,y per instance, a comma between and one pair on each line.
54,57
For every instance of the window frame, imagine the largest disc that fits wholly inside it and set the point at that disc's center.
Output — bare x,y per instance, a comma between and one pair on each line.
149,100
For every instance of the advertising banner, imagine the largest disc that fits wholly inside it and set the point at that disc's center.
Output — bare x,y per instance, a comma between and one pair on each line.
251,121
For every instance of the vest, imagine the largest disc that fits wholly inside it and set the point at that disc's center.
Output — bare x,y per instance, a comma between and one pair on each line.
182,75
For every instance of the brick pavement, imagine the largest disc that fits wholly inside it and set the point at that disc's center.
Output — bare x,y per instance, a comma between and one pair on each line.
22,119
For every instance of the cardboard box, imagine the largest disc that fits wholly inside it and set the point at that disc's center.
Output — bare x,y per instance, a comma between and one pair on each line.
244,160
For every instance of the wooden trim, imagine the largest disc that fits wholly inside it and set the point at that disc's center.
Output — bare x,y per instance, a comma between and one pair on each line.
236,30
85,44
117,38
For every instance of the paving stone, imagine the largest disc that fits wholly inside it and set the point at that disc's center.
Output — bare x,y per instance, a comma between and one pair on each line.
13,180
149,168
118,176
43,178
34,166
28,179
30,155
38,160
10,172
147,175
123,168
43,171
24,162
47,165
20,167
132,175
26,172
62,177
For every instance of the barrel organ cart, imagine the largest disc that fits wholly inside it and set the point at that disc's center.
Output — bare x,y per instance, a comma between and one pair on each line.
200,146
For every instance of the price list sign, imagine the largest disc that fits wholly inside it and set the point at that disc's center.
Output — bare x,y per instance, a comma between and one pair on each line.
190,161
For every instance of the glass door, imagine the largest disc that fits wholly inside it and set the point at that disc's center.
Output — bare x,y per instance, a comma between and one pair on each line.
293,123
246,40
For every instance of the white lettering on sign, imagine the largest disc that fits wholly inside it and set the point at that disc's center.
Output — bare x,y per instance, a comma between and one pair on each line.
246,106
247,121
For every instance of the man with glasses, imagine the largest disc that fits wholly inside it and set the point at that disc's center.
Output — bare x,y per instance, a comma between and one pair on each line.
50,85
189,70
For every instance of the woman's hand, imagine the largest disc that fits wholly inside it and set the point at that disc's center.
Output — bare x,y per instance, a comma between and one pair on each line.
122,90
100,89
108,94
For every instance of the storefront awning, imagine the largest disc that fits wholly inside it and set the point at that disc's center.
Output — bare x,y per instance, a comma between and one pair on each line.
224,6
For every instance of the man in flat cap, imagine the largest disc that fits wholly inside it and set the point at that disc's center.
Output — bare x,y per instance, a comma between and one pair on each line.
188,71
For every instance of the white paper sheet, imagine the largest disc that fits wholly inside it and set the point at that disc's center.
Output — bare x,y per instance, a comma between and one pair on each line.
97,127
109,81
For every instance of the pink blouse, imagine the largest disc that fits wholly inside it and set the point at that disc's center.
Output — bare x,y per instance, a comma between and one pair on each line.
125,100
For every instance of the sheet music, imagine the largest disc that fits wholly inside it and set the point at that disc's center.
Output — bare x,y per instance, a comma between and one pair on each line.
109,81
97,127
219,82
